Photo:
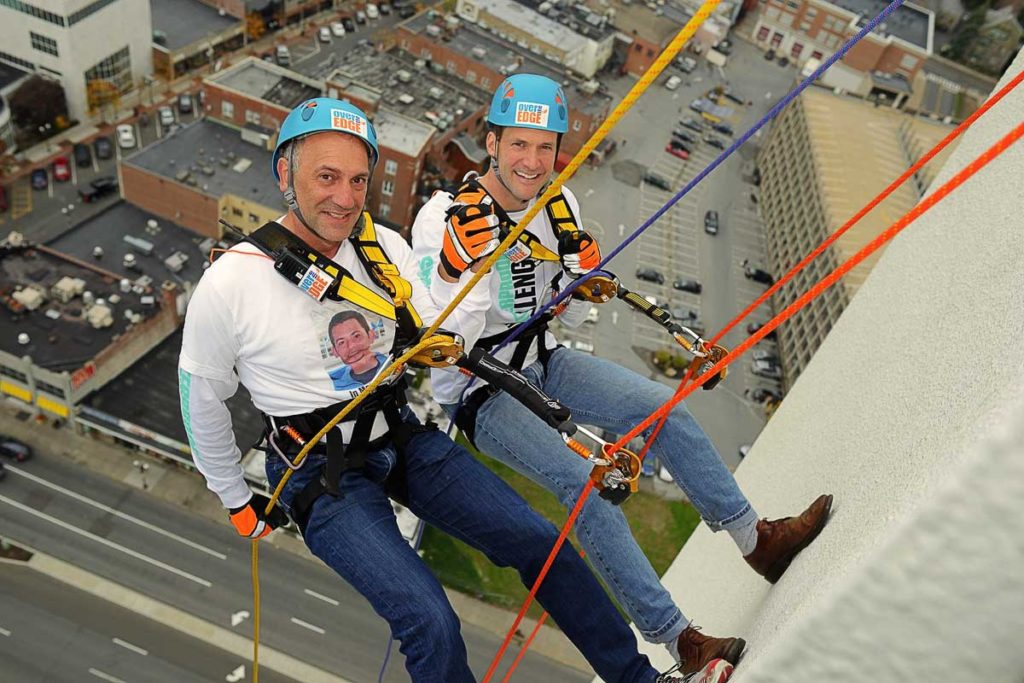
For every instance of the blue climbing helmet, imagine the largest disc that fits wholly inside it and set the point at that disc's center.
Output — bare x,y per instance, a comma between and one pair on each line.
530,101
323,114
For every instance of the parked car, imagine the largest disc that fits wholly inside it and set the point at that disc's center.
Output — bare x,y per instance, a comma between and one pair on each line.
360,17
691,286
583,346
83,157
723,128
348,23
724,46
752,328
711,222
692,124
684,136
758,275
765,355
733,97
714,142
40,179
99,187
686,64
283,55
184,103
372,11
765,369
682,314
14,449
406,11
338,29
3,471
763,395
593,315
385,8
102,147
657,181
677,151
324,34
61,169
166,116
769,55
650,275
672,82
700,105
125,136
3,199
783,61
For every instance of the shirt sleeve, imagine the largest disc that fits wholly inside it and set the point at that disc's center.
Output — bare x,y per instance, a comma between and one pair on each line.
470,317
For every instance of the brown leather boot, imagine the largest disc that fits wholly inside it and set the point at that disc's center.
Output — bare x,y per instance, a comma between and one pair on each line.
696,649
778,541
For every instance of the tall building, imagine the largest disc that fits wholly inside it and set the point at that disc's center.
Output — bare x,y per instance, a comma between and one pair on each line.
825,157
97,49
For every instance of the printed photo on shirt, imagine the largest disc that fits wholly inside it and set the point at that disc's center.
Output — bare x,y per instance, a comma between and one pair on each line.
357,343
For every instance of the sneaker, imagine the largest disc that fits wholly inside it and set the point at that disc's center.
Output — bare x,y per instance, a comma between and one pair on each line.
779,541
716,671
693,650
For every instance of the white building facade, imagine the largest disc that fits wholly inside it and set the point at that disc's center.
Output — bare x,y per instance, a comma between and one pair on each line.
95,48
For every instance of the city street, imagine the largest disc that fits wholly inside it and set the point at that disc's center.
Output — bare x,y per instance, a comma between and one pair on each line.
200,567
676,245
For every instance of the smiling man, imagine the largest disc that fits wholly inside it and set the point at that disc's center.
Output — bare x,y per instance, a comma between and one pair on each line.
351,340
528,116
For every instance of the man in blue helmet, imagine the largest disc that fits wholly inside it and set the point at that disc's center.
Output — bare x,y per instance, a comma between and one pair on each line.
246,323
451,236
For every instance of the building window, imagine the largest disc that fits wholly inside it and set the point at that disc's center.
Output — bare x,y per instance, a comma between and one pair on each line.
817,54
831,40
253,218
471,76
387,188
810,13
87,11
227,109
252,117
238,212
805,27
777,38
792,4
405,45
384,210
427,55
576,125
797,49
390,167
115,70
786,19
909,62
34,11
772,13
650,52
451,66
762,34
485,83
43,44
17,61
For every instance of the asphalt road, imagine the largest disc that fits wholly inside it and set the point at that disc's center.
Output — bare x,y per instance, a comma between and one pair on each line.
676,245
50,631
200,567
316,59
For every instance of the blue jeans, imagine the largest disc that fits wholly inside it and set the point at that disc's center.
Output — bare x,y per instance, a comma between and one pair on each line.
357,536
608,396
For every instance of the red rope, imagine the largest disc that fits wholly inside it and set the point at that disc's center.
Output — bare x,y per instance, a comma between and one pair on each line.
826,282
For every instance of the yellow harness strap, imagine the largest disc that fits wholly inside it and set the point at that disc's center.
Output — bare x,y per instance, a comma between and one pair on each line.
383,272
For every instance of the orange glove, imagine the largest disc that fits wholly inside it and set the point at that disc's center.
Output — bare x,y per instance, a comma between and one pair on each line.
471,232
579,252
250,520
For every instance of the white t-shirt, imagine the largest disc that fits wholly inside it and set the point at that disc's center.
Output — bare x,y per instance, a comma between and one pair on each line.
245,318
506,296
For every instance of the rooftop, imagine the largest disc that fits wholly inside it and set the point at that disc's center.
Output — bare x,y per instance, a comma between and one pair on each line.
107,230
402,134
909,23
546,31
494,53
577,18
840,153
146,394
407,86
60,336
658,27
215,160
268,82
184,22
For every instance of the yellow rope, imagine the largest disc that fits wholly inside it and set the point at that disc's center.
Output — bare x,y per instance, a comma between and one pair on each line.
652,73
255,611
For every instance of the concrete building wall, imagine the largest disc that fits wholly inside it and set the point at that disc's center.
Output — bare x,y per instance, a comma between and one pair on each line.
81,43
918,574
236,109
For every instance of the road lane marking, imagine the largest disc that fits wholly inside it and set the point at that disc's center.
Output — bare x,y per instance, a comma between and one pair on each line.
318,596
4,632
306,624
128,646
110,544
105,676
106,508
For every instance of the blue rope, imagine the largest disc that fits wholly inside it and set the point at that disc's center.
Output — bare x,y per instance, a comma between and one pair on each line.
672,201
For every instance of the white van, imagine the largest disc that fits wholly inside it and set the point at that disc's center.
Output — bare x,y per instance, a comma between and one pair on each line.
284,56
372,12
673,82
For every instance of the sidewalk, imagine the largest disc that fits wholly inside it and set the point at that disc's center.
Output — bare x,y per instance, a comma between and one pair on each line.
176,485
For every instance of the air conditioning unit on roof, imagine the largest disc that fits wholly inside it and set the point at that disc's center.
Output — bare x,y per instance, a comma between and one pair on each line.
406,98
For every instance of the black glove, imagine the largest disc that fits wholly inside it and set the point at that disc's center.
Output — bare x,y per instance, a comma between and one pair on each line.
250,520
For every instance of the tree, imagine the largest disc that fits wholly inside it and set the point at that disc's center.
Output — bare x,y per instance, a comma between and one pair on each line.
38,102
967,33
